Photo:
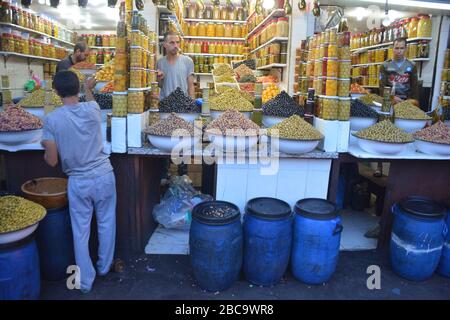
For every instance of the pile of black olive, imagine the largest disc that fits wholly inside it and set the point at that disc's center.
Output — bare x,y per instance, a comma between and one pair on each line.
249,63
282,106
104,100
362,110
178,102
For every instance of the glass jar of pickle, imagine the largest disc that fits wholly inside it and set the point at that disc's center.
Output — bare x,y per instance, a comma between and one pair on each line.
228,30
190,46
20,18
211,30
329,108
193,29
226,47
7,43
193,10
136,78
136,57
413,50
136,101
37,48
332,50
413,25
219,48
343,87
233,48
112,40
201,29
208,14
344,108
237,30
424,27
220,30
216,13
332,67
224,13
345,68
212,48
5,13
331,86
198,47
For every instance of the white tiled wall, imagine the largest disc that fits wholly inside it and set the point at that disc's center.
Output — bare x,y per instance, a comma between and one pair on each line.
296,179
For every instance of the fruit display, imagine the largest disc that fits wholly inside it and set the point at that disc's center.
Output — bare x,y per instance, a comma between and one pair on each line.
17,213
106,73
15,118
385,131
268,79
81,77
282,105
295,128
108,88
270,92
84,65
356,88
37,99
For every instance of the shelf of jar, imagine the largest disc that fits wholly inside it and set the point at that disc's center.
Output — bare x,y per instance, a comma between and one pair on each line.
274,14
363,49
272,65
96,47
35,32
214,54
214,38
276,39
214,21
367,64
4,53
174,19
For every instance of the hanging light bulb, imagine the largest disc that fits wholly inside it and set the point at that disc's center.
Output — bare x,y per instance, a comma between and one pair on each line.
268,4
82,3
25,3
386,20
54,3
112,3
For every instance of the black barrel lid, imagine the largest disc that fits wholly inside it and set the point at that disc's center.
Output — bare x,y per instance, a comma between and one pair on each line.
318,209
268,208
423,207
216,212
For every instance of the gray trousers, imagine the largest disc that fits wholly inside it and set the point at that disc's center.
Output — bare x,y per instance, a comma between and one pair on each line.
85,195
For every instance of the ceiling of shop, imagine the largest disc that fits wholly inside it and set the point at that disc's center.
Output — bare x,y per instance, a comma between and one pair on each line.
96,16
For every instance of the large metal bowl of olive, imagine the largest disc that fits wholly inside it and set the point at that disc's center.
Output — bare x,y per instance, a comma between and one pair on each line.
381,147
51,193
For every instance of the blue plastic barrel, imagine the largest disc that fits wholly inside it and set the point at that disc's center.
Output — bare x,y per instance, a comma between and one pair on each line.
316,240
444,263
216,244
55,244
417,237
267,240
19,270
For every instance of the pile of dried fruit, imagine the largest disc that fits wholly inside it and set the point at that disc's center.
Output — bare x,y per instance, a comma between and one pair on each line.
295,128
385,131
437,133
84,65
106,73
232,122
282,106
178,102
242,71
167,126
15,118
270,92
17,213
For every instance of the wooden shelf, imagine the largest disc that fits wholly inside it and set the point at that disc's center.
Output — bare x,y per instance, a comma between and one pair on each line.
6,54
273,65
274,14
214,21
35,32
276,39
214,38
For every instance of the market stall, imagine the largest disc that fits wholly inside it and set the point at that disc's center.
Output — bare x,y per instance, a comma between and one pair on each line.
266,69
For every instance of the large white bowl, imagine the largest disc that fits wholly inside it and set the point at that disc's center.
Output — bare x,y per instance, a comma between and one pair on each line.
297,146
166,143
189,117
13,236
358,123
20,137
270,121
232,143
216,114
410,126
379,147
433,148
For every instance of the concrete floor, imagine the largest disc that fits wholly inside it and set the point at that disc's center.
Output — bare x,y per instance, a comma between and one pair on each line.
169,277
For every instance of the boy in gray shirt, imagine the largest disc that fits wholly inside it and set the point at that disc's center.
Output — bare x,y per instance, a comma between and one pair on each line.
74,132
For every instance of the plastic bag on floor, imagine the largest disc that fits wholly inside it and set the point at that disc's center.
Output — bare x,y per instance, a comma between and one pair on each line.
175,209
